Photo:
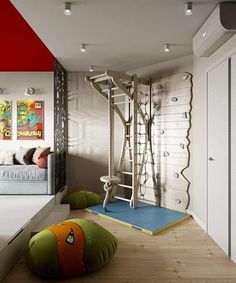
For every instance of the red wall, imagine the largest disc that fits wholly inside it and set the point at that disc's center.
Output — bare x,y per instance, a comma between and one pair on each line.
20,48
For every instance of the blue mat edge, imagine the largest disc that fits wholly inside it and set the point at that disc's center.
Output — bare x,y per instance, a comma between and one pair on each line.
147,231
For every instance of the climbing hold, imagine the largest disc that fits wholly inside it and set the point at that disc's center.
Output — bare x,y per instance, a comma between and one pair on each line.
184,115
176,175
174,99
166,153
184,77
181,145
162,132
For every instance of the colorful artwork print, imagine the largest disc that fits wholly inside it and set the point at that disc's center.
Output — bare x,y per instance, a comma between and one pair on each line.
5,120
30,120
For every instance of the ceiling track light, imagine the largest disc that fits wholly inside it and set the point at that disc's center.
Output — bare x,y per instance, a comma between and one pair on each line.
67,10
167,48
188,8
83,48
91,68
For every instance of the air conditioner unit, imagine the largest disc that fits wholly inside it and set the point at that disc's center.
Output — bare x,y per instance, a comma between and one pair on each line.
216,30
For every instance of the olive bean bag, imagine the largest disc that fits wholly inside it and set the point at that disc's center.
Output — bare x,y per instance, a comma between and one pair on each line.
69,249
81,199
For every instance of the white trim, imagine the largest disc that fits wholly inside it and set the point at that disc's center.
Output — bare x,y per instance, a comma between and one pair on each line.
197,219
224,57
206,144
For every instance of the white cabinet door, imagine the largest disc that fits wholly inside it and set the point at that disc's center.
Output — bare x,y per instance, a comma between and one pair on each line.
218,185
233,157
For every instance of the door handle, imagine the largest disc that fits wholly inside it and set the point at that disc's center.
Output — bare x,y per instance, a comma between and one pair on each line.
211,159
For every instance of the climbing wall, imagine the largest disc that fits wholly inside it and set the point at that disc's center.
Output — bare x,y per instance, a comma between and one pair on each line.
166,104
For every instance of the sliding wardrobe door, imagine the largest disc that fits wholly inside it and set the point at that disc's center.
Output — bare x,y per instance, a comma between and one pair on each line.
233,157
218,139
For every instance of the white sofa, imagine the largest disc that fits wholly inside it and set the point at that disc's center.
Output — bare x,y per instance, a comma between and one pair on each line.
27,179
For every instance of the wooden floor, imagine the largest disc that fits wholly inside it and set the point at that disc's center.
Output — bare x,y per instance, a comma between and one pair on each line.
184,253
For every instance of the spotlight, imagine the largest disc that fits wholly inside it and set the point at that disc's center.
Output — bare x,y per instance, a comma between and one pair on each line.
83,48
29,91
188,7
67,10
91,68
167,48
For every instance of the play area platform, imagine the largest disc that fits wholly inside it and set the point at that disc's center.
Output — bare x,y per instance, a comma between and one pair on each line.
147,218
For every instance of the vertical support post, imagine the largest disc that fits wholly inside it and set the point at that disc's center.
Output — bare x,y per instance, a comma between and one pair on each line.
133,203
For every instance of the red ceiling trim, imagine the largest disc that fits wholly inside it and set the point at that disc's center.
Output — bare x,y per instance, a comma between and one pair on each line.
20,48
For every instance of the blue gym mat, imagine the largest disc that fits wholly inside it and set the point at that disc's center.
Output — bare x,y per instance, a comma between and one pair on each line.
147,218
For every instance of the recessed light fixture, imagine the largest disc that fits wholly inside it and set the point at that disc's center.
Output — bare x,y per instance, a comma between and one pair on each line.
91,68
67,10
83,48
188,8
166,47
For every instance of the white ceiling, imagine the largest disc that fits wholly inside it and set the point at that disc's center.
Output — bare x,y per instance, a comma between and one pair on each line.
121,34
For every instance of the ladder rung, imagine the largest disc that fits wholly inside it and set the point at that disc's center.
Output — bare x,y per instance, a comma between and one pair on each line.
125,186
121,198
130,160
122,102
118,95
113,88
128,136
127,147
126,173
128,124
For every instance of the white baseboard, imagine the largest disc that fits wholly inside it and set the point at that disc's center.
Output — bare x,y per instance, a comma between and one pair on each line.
197,219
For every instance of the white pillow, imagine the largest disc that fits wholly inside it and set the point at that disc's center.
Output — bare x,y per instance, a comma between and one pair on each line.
6,158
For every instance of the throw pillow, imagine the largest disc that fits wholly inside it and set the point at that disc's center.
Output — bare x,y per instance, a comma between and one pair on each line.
24,155
40,152
43,162
6,158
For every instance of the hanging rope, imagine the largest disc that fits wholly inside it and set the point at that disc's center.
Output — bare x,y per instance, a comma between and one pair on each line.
110,129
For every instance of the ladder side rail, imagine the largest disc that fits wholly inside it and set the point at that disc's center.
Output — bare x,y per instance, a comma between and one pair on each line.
118,83
133,202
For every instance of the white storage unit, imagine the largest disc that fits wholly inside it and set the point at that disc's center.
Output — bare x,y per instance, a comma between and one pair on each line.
221,200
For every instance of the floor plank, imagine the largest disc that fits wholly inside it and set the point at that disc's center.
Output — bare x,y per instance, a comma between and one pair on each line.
183,254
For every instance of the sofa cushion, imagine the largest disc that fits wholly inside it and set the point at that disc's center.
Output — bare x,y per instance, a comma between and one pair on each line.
24,155
6,158
43,162
22,173
40,152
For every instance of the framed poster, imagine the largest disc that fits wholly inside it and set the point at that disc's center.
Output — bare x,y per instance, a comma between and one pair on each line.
5,120
30,119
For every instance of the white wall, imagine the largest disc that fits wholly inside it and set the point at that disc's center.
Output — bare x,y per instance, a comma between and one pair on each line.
14,85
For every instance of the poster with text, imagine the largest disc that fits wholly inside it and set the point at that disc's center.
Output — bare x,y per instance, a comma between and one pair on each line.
30,120
5,120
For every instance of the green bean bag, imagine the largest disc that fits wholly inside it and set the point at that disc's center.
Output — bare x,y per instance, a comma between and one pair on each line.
69,249
81,199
